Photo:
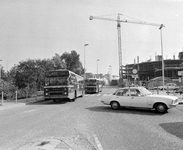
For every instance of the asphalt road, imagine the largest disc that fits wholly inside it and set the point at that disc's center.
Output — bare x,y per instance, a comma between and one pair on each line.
92,125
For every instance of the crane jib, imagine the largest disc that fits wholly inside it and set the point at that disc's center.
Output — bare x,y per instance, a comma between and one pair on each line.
126,21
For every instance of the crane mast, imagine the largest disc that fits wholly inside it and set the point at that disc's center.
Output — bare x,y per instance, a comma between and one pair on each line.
120,52
119,41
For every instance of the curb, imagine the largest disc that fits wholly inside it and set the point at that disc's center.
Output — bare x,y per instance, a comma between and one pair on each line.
34,100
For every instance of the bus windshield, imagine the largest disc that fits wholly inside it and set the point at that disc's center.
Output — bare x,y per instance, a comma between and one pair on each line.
56,81
90,81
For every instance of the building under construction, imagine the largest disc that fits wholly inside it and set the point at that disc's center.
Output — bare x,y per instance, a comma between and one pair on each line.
152,69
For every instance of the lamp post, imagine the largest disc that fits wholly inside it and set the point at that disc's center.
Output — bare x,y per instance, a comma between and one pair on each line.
97,66
84,57
0,69
110,75
163,76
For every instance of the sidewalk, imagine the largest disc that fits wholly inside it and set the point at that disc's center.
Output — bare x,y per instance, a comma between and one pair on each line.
7,105
21,102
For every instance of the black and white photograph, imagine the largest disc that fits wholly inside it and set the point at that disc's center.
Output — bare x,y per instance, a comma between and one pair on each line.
91,75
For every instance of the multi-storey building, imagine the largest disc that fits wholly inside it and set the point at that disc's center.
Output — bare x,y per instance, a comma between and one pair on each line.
152,69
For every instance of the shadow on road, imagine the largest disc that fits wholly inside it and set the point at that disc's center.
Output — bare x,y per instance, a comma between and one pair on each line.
49,102
174,128
122,110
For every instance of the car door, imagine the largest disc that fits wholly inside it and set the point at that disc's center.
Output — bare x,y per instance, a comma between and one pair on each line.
123,97
137,99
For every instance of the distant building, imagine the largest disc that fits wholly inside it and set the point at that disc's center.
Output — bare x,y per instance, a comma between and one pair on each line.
89,75
158,58
98,76
152,69
180,55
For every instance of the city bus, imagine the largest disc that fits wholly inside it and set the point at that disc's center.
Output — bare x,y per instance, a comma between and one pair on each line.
93,85
61,84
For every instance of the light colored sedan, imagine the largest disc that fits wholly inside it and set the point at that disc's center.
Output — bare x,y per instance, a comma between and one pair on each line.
168,86
140,97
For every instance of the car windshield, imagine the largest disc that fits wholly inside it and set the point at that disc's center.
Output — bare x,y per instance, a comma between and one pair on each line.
144,91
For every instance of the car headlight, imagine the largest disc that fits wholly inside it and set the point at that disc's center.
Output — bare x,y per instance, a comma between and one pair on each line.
174,101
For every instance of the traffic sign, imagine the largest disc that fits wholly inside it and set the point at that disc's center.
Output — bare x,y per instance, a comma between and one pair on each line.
134,71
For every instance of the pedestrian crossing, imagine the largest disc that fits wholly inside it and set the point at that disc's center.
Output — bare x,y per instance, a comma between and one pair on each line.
95,95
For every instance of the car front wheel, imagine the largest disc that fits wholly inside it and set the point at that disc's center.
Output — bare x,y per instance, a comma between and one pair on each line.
115,105
161,108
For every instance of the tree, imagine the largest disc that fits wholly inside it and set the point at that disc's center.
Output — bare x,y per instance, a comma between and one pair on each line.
29,74
72,62
58,62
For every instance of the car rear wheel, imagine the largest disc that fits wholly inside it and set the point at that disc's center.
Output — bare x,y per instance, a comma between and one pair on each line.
161,108
115,105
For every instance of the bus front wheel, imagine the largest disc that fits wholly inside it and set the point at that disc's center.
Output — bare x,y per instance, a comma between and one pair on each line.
75,96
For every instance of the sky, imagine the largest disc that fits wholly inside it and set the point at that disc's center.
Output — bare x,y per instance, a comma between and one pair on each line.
38,29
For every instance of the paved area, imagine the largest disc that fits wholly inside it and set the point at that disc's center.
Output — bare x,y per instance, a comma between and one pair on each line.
47,144
6,104
62,143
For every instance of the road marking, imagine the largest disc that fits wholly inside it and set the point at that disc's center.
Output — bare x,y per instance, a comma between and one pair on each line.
99,145
28,111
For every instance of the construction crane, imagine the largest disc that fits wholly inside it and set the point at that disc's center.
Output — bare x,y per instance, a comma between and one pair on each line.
118,20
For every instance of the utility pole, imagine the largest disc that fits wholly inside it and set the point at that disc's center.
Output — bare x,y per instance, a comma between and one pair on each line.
84,59
0,70
163,67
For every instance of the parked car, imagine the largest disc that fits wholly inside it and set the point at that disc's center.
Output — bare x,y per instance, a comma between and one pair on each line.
140,97
168,86
179,90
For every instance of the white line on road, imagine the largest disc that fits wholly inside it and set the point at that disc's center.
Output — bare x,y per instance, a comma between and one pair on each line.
99,145
28,111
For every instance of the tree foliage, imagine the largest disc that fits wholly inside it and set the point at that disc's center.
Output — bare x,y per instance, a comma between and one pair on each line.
73,62
29,74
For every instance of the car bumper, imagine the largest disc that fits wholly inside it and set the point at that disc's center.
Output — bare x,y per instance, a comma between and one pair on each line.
173,105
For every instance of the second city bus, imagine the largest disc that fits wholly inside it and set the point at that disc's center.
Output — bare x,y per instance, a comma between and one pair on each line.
93,85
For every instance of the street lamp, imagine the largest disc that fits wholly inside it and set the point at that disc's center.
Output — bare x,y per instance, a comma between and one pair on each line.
84,57
0,69
162,55
110,71
97,66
